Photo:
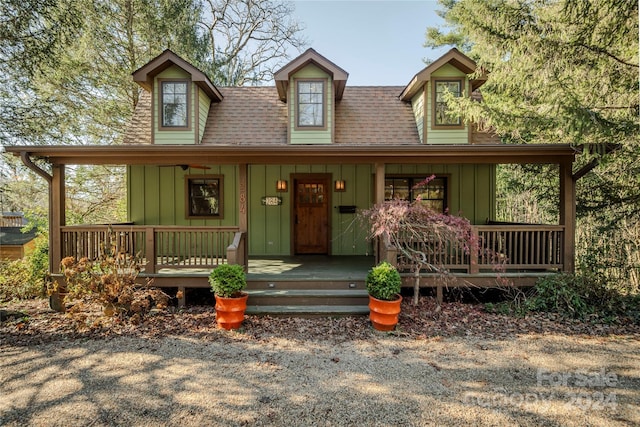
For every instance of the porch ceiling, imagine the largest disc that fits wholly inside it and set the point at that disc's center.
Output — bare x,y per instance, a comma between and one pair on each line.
305,154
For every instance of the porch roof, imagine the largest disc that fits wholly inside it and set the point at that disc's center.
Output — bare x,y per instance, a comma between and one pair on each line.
143,154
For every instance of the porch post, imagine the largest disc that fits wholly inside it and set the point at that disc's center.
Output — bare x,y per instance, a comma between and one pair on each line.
379,192
568,215
243,216
380,246
57,216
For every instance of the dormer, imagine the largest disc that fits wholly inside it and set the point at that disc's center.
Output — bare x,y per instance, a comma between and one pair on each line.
311,85
427,93
181,96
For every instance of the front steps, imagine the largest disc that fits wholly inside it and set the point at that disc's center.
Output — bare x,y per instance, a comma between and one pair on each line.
307,298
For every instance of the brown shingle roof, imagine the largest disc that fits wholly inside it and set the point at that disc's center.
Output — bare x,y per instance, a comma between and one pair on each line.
139,129
374,115
255,116
365,115
247,115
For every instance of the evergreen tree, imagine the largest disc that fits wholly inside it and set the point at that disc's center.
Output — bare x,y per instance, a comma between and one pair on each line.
562,72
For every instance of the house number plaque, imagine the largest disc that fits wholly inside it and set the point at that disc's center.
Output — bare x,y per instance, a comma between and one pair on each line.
271,201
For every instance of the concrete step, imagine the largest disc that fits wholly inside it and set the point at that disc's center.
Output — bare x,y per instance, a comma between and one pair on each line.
308,310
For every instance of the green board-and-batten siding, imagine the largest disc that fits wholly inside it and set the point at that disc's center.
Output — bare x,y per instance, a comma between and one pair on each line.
470,188
157,197
270,226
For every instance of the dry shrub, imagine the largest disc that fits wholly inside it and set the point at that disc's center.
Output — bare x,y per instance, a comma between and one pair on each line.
109,281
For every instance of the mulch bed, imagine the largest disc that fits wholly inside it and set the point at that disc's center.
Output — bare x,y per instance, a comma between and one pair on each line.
32,322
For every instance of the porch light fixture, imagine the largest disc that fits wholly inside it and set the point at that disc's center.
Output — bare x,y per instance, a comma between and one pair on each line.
281,186
340,185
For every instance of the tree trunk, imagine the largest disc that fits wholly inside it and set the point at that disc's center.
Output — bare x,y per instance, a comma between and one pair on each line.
416,284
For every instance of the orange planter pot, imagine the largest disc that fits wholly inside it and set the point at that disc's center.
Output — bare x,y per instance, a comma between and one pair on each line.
384,314
230,311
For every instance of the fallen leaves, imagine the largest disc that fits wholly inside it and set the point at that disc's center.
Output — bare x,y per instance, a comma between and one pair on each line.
32,321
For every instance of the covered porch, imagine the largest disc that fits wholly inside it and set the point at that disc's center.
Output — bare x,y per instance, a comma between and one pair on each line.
182,256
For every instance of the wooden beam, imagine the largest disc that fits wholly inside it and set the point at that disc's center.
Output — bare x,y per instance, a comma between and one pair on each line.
379,189
57,216
150,250
243,214
568,215
288,154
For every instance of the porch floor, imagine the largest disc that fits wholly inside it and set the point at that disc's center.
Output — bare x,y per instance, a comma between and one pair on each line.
309,267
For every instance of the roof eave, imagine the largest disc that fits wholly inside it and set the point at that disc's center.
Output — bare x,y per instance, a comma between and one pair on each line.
139,154
145,74
455,58
310,56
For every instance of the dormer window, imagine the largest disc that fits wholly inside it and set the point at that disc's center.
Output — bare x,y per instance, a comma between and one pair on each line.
311,100
443,117
174,96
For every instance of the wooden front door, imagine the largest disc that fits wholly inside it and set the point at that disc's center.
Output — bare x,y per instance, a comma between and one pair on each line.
311,215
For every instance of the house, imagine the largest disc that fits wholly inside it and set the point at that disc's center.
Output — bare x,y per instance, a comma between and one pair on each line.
14,244
270,177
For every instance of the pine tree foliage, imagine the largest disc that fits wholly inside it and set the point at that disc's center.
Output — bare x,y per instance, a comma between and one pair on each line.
560,71
65,73
563,71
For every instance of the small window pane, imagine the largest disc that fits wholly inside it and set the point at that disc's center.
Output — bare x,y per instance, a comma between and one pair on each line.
310,104
443,115
397,188
204,197
174,104
433,195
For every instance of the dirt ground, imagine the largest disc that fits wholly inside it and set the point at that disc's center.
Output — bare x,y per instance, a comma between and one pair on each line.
457,366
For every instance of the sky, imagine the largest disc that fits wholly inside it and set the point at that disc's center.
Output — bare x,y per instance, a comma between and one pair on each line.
379,43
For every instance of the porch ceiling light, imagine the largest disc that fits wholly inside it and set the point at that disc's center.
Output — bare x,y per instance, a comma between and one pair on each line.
340,185
281,186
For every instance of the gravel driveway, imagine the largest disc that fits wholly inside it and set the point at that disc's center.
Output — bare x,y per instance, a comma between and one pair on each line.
230,378
451,365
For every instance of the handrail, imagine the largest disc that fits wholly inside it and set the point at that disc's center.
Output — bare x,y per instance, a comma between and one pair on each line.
235,251
512,247
159,247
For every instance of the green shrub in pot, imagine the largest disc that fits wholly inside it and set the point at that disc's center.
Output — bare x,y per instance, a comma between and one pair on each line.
228,280
383,282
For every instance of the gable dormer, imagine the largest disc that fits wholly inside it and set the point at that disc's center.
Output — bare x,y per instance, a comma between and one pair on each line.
427,91
311,85
181,97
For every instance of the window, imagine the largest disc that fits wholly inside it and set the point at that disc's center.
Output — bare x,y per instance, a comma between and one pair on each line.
310,103
204,196
442,115
175,98
433,194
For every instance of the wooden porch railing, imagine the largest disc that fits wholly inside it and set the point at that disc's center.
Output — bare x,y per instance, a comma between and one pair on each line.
516,247
521,247
159,247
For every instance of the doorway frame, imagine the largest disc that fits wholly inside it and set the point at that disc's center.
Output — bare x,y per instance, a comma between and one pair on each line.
293,178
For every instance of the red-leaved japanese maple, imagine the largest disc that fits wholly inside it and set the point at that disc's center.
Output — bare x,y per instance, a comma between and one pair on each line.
423,237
